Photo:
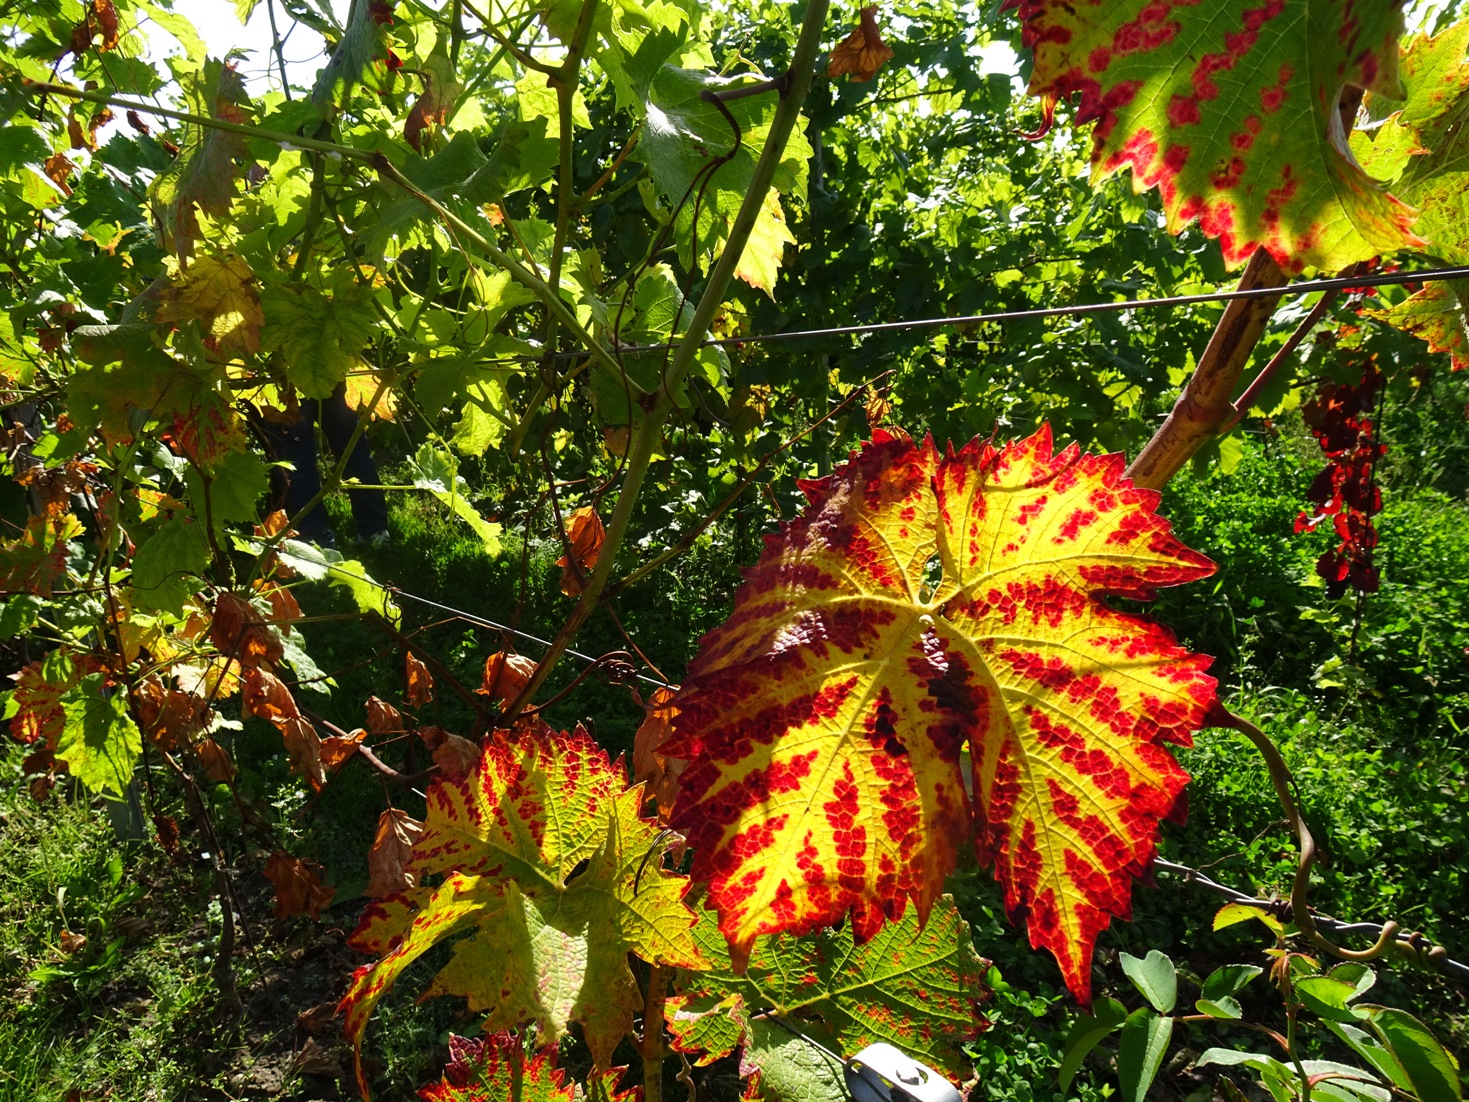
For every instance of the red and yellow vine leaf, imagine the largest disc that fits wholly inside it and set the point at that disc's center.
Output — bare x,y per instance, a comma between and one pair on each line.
825,723
541,848
495,1068
35,560
1230,110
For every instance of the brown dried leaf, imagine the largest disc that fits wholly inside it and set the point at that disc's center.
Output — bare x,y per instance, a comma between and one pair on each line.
283,605
335,749
382,717
304,747
72,943
659,773
455,756
240,632
58,168
168,836
266,696
298,887
585,533
219,767
396,833
319,1019
505,675
434,105
315,1060
169,717
420,681
862,53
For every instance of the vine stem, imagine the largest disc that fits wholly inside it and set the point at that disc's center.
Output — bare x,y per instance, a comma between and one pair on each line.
653,1050
649,431
1280,777
1204,407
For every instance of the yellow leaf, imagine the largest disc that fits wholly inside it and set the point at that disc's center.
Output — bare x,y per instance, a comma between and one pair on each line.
220,292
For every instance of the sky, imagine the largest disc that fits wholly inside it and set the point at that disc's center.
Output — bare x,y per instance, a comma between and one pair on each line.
222,32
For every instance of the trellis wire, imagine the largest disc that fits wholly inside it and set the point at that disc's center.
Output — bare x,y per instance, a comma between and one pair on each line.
1388,279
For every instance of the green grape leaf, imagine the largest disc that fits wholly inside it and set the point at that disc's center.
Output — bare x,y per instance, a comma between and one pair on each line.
1232,115
545,858
1424,149
235,485
212,160
437,472
684,135
321,337
915,986
167,565
99,743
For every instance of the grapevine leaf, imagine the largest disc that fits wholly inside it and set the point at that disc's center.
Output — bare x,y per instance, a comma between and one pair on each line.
790,1067
495,1068
35,703
438,473
298,886
914,986
165,563
585,533
683,135
386,861
546,861
862,53
35,560
1232,114
824,723
203,177
321,336
98,742
1437,315
220,292
1425,148
362,54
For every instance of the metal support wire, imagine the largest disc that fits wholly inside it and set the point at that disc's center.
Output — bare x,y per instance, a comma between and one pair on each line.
1419,944
482,622
1336,283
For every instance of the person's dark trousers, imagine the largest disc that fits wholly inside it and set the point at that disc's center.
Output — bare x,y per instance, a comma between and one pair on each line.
296,444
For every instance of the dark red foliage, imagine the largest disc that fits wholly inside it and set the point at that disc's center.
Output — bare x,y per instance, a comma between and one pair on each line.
1346,490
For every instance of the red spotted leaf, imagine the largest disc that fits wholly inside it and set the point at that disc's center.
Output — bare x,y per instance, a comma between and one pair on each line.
35,560
554,878
495,1068
927,606
1230,109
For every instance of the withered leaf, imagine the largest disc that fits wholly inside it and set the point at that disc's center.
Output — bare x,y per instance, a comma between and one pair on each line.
659,773
382,717
455,756
218,765
386,861
335,749
585,534
298,887
862,53
505,675
420,681
240,632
